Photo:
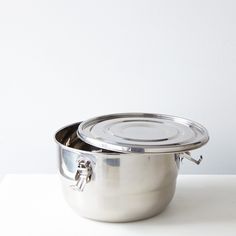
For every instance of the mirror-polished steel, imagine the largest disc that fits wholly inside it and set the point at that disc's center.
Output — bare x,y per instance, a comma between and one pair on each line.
121,187
188,156
143,133
83,174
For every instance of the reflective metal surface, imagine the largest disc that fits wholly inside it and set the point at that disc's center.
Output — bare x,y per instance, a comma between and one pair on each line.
188,156
122,187
143,133
83,174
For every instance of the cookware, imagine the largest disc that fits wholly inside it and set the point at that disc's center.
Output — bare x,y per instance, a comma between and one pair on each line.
123,167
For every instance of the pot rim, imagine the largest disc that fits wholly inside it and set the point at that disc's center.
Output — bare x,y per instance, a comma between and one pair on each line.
111,154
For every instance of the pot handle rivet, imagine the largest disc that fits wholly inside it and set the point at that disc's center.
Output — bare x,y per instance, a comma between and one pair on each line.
83,175
188,156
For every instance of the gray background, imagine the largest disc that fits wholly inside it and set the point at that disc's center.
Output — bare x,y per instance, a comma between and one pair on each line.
65,61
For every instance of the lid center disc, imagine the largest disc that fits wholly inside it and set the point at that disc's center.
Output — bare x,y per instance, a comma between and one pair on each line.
143,131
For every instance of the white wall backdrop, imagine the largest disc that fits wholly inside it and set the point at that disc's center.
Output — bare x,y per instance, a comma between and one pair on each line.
65,61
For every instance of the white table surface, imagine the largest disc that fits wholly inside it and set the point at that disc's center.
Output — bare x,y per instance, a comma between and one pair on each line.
34,205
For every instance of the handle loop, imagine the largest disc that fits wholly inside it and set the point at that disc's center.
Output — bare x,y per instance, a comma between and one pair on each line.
188,156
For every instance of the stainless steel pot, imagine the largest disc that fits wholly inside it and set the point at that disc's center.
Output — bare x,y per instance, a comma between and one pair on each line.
115,187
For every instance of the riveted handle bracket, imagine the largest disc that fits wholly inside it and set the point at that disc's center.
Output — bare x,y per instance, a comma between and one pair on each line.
83,175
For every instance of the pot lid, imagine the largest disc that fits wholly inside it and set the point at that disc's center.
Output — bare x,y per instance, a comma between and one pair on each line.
143,133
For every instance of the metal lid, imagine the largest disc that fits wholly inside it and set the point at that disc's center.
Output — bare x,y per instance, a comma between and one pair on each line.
143,133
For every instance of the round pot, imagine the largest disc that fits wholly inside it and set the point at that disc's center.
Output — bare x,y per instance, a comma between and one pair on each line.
115,187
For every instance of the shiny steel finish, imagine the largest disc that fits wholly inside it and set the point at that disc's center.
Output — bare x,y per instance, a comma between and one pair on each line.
143,133
83,174
188,156
122,187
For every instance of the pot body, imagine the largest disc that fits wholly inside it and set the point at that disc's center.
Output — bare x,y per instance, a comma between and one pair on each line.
122,187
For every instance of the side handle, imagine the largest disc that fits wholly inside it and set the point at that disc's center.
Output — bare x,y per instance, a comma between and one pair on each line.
83,174
188,156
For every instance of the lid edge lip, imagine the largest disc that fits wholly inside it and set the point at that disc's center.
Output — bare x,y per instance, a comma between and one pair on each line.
111,155
159,150
128,150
